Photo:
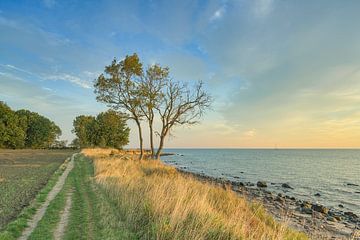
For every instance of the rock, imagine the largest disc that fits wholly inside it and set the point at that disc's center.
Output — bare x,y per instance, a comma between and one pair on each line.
352,184
285,185
351,214
319,208
236,177
306,210
331,219
340,205
338,218
280,199
261,184
317,195
293,198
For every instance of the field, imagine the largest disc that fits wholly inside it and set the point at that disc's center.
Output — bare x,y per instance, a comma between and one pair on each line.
22,174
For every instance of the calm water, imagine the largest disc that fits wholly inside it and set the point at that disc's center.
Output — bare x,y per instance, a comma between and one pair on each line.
327,172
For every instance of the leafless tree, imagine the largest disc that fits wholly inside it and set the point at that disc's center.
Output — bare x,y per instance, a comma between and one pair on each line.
180,105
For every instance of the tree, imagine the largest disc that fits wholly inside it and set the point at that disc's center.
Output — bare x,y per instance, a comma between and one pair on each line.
11,134
151,95
108,129
181,105
112,130
84,130
118,87
40,131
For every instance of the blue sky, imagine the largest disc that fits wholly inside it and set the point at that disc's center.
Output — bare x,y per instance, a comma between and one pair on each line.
283,73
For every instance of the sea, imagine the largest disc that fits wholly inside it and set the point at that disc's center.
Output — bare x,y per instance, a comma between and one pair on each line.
332,173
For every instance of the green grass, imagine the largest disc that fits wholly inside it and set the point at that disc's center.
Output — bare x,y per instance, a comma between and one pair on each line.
48,223
93,215
14,229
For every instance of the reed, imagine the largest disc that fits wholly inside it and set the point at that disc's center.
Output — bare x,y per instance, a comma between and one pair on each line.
158,202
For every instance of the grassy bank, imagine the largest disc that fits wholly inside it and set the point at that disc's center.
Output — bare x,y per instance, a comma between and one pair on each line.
157,202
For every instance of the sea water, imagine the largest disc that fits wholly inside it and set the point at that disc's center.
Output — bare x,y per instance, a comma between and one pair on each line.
333,173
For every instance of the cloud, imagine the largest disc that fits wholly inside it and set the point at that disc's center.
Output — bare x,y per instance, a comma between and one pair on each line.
250,133
218,14
69,78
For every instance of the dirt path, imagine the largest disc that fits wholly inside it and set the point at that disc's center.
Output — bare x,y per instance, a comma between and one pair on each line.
60,229
52,194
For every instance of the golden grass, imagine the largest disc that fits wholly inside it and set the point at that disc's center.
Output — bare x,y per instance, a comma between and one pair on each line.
160,203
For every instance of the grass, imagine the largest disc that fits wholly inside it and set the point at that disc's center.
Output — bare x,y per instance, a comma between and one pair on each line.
157,202
92,215
23,173
14,229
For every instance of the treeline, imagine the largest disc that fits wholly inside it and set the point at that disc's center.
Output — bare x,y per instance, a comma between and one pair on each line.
107,129
26,129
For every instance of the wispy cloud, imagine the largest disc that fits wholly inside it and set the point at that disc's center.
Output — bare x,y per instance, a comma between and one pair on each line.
218,14
250,133
69,78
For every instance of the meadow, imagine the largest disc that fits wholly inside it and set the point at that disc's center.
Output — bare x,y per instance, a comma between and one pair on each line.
23,173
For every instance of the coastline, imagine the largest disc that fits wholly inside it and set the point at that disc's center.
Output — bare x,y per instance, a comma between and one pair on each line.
318,221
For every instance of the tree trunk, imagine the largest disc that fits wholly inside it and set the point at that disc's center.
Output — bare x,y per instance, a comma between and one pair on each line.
140,139
161,145
151,139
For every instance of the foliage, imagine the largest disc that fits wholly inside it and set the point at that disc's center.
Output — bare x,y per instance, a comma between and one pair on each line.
11,134
40,131
118,87
24,128
108,129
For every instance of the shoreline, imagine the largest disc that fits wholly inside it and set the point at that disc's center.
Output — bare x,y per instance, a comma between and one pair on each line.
318,221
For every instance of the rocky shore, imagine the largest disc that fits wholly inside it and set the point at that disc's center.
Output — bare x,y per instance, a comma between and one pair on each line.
318,221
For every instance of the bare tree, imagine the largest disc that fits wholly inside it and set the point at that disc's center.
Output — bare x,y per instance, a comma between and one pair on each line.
151,92
181,105
118,87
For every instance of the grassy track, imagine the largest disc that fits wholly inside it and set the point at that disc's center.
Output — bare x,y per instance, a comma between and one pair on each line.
92,216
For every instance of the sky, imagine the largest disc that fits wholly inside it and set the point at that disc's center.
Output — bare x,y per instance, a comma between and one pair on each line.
282,73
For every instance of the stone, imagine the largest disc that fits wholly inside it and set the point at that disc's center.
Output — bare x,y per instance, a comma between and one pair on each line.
306,210
340,205
319,208
285,185
351,214
261,184
331,219
352,184
317,195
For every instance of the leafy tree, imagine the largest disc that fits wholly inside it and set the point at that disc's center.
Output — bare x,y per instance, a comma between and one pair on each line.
11,134
40,131
118,87
108,129
112,130
84,130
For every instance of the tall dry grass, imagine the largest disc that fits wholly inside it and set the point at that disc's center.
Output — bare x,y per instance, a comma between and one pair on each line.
160,203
